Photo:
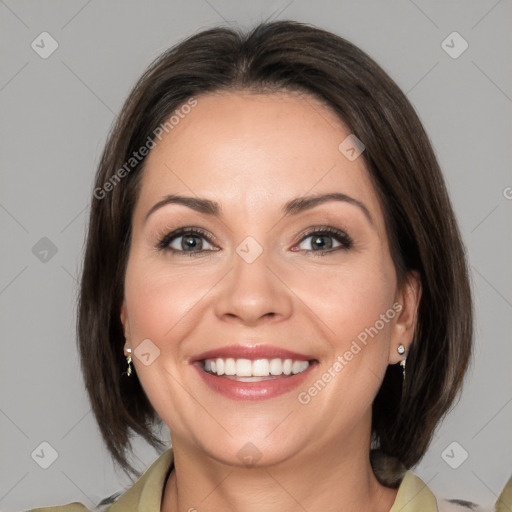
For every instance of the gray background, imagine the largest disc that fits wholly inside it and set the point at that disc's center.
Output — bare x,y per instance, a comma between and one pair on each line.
56,113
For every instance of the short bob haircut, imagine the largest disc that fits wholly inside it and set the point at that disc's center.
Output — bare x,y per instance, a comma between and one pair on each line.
421,226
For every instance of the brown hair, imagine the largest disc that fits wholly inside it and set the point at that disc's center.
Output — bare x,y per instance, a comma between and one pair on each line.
420,222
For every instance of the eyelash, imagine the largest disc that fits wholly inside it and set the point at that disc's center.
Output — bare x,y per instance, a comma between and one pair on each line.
163,244
340,236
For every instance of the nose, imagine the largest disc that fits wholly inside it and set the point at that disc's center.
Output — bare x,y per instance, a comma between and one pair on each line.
253,293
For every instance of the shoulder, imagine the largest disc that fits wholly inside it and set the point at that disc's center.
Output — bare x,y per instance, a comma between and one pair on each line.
70,507
144,495
414,495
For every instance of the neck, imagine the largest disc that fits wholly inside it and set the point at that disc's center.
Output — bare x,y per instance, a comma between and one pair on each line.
338,479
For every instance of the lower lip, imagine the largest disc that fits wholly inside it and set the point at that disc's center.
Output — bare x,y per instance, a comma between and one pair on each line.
262,390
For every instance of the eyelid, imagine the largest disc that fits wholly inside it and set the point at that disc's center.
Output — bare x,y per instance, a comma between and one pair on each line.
343,237
167,235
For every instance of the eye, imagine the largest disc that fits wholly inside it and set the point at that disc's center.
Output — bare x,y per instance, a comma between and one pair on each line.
186,240
325,240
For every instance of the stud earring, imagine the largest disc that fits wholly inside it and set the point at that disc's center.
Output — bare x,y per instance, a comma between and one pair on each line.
401,351
128,371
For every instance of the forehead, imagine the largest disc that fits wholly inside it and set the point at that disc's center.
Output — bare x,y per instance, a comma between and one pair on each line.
255,149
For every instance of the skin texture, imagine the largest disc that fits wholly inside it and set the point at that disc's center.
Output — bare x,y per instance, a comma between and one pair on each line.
252,153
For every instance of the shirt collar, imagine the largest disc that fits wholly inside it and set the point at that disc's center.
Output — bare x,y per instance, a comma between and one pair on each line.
414,496
146,494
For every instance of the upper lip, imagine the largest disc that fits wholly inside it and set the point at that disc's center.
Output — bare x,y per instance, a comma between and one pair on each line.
251,352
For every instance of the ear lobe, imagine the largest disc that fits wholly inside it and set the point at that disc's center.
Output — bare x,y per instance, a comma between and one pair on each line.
408,297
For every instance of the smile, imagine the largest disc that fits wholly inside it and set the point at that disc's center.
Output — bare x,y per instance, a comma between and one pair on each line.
247,370
248,380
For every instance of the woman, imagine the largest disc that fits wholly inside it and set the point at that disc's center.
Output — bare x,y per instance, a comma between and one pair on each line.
274,271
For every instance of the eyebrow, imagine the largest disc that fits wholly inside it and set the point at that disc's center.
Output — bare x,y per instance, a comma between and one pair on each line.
293,207
301,204
205,206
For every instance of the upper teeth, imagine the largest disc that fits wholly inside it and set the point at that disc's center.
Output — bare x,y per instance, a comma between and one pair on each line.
256,368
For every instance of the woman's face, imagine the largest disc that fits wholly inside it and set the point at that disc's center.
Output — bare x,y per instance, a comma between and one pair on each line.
271,281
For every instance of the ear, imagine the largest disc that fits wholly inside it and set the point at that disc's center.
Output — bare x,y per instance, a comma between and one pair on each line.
407,301
126,325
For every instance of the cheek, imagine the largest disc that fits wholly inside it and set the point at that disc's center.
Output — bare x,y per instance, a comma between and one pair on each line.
158,298
355,311
350,300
